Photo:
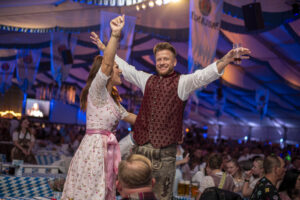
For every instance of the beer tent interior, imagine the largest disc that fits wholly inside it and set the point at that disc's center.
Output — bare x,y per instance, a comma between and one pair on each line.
273,68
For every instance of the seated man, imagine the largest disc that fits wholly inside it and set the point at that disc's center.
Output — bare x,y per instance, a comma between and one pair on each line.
135,178
274,168
215,178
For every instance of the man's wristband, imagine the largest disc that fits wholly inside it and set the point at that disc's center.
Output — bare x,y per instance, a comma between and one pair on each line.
247,180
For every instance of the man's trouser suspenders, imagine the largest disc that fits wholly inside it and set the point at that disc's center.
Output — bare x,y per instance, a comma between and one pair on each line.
221,184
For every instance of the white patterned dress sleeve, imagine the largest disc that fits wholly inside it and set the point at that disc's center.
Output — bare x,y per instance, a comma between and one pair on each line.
98,93
123,112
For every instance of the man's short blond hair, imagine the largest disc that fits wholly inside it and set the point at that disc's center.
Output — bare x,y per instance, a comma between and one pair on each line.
135,171
260,162
164,46
270,162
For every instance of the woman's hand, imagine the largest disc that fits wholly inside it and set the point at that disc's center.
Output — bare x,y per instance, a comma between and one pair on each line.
117,25
186,158
24,151
28,152
95,40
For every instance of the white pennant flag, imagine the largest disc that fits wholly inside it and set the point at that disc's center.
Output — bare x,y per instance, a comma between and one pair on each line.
6,73
27,67
62,48
7,67
205,21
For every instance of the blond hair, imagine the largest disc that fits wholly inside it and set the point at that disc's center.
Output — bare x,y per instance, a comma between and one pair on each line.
135,171
270,163
164,46
260,162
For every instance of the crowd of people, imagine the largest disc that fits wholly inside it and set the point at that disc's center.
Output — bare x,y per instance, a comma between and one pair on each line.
29,136
253,170
161,155
198,160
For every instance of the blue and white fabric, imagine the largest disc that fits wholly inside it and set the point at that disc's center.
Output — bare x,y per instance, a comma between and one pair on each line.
46,159
11,186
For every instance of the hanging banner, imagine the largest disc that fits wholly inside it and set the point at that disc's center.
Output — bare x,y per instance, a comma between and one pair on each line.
205,21
7,66
127,32
28,62
6,74
62,48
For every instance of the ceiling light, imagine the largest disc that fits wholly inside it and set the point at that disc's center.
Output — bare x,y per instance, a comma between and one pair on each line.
158,2
151,4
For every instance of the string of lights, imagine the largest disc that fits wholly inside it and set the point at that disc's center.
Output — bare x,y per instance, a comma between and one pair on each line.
10,112
151,3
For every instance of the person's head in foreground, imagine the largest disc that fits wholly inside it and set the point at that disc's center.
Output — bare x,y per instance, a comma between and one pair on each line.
274,168
135,175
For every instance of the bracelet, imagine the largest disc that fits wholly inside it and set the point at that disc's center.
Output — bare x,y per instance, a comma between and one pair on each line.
247,180
116,35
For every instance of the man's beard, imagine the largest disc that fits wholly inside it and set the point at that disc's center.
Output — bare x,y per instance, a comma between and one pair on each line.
166,73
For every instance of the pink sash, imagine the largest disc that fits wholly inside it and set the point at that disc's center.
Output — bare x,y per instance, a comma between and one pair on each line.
112,157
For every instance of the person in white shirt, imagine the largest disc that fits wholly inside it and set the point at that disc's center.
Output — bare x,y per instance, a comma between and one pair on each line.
159,122
215,177
35,111
180,161
246,155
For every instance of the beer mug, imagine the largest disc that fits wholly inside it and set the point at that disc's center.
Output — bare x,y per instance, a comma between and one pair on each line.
194,189
181,188
187,188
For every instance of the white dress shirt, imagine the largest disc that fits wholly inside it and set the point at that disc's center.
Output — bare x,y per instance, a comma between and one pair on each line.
187,82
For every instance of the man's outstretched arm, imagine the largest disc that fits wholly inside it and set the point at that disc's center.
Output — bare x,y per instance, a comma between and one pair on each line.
229,57
190,82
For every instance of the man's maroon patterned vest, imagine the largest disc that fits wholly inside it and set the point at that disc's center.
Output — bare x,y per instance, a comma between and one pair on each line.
160,117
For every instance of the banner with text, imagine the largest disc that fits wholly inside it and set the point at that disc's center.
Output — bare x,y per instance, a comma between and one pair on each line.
205,21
